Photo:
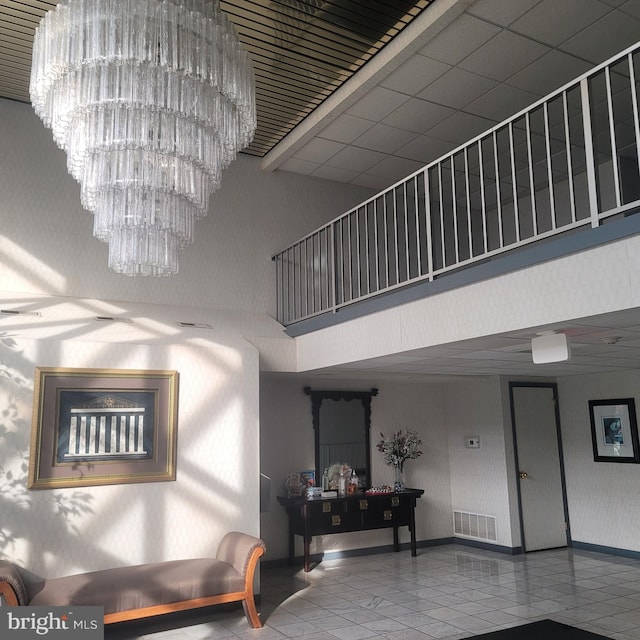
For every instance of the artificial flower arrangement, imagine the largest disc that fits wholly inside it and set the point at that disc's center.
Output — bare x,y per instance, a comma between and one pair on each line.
336,471
399,447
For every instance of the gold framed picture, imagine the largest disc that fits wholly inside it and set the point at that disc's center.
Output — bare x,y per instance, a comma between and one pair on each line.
102,426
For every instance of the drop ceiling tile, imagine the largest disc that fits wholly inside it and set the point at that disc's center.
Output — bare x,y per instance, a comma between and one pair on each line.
549,73
395,168
505,54
459,39
553,22
355,159
319,150
297,165
613,362
501,12
424,149
632,7
384,138
415,74
346,128
377,104
370,182
604,38
457,88
627,318
417,115
461,127
333,173
501,102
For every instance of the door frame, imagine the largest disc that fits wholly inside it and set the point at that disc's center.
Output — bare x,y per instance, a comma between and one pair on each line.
565,503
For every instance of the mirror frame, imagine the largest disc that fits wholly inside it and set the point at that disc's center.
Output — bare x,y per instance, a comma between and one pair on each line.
318,396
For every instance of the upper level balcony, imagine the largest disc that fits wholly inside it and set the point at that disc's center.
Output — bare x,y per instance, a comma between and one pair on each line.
567,165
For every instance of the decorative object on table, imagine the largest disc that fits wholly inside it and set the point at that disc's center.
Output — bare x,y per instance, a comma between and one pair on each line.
151,101
396,449
338,476
381,490
293,484
308,478
103,426
354,483
614,430
297,482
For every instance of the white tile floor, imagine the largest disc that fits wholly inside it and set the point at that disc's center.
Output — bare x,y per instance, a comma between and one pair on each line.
447,592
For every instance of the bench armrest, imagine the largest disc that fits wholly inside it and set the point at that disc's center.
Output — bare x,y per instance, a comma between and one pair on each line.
240,550
12,587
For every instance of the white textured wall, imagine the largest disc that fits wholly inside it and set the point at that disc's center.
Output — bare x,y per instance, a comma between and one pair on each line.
47,246
61,531
603,496
479,478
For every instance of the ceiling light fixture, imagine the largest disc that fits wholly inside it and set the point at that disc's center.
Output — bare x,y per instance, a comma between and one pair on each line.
151,100
550,347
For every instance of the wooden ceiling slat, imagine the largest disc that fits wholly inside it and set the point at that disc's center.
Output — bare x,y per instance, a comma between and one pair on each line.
302,50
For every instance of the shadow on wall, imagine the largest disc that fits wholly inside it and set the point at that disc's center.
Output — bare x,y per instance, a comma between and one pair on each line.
25,513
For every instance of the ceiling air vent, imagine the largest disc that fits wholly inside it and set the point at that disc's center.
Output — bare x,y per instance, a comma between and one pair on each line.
18,312
112,319
195,325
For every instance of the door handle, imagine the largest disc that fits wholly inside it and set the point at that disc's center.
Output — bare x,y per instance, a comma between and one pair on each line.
523,475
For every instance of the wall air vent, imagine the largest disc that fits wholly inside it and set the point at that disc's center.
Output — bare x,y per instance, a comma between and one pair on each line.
195,325
474,525
18,312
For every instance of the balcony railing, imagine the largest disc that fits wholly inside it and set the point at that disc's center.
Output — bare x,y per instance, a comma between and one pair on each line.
570,160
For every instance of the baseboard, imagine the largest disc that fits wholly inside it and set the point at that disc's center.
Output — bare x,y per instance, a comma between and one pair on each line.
404,547
488,546
598,548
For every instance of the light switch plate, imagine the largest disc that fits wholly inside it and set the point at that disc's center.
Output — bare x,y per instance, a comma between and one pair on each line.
472,442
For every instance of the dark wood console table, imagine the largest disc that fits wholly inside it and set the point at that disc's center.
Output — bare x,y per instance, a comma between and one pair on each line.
310,517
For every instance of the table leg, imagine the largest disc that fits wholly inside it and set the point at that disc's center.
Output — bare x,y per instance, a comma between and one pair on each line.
412,531
307,550
292,549
396,545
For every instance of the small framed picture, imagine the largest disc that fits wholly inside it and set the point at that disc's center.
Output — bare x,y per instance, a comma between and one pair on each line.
614,430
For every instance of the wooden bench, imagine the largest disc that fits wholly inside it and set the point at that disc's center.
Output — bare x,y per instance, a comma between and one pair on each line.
141,591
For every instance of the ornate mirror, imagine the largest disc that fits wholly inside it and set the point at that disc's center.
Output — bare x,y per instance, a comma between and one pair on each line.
341,424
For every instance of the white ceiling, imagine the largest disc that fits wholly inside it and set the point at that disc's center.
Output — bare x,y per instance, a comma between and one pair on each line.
457,70
598,344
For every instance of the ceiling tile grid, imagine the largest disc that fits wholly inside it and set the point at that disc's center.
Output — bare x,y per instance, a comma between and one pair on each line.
492,61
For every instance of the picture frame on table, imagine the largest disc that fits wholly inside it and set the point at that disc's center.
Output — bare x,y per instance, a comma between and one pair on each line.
614,430
102,426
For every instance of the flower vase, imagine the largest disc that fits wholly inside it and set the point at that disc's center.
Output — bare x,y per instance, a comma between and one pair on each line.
398,482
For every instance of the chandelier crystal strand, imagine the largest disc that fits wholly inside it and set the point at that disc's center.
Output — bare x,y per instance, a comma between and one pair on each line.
151,100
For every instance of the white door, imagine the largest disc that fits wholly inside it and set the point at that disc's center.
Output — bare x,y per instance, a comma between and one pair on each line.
536,432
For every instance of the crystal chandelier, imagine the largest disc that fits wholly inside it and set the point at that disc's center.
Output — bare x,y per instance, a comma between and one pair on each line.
151,100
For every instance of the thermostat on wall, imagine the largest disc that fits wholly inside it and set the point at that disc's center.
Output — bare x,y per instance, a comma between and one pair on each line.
472,442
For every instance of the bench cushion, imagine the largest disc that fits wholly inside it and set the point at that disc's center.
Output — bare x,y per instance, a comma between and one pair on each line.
139,586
